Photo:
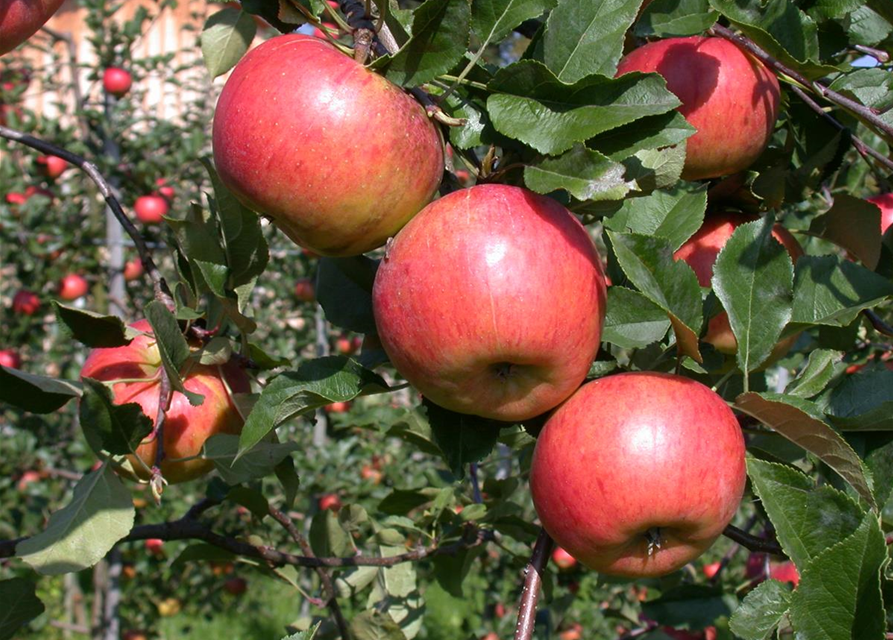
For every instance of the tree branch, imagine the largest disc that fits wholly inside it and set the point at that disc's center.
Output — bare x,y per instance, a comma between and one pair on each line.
867,114
162,292
531,591
753,543
879,325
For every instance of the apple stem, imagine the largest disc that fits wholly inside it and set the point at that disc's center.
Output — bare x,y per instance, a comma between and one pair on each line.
162,291
531,590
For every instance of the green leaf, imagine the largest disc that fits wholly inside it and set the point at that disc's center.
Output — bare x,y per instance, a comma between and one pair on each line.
675,18
585,37
854,224
288,478
675,215
328,538
761,612
863,402
237,466
823,366
198,235
440,33
372,625
344,289
531,105
225,39
649,133
172,347
872,87
808,519
315,384
585,174
309,634
632,320
81,533
801,422
451,571
753,278
492,20
37,394
689,606
90,328
648,263
839,595
118,429
21,605
829,290
462,438
401,501
251,499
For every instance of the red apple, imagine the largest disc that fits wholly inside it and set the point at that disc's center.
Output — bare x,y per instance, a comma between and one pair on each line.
491,302
711,569
10,358
51,166
884,202
137,367
27,478
72,287
128,572
499,610
15,197
784,572
151,209
25,302
574,632
235,586
727,95
134,634
373,475
337,407
700,252
491,636
117,81
336,155
332,30
20,19
305,290
133,269
345,346
155,546
329,501
638,473
563,560
164,189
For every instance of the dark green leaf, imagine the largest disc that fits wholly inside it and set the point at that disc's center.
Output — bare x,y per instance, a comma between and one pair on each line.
20,606
651,132
451,571
854,224
462,438
119,429
328,538
689,606
863,402
823,366
761,611
90,328
172,347
585,174
632,320
674,215
225,39
289,480
675,18
37,394
258,462
494,19
400,501
832,291
344,289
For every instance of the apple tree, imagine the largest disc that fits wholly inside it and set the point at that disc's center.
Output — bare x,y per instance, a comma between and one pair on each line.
623,272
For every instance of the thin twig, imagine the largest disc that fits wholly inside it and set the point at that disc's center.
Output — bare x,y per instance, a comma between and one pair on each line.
881,56
879,325
753,543
162,292
867,114
531,591
475,484
326,580
165,394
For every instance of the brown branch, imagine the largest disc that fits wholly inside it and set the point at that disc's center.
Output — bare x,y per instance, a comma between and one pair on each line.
867,114
531,591
753,543
162,292
326,580
881,56
727,558
879,325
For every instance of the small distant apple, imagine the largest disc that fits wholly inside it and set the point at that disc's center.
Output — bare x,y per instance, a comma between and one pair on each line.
72,287
346,346
10,358
164,189
128,572
222,568
784,572
337,407
711,569
368,472
499,610
574,632
155,546
15,197
329,501
305,290
169,607
25,302
563,560
52,166
491,636
27,478
133,634
117,81
235,586
133,269
151,209
140,503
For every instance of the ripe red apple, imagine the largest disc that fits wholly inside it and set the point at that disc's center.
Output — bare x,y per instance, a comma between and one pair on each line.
51,166
151,209
128,572
72,287
700,252
329,501
27,478
138,367
638,473
711,569
346,346
25,302
10,358
339,157
337,407
15,197
491,302
574,632
499,610
20,19
133,269
155,546
305,290
370,473
117,81
235,586
563,560
784,572
726,94
884,202
332,30
164,189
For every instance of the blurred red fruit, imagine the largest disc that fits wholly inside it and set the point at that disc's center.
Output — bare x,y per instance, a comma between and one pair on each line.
52,166
72,287
117,81
10,358
711,569
150,209
305,291
25,302
563,560
235,586
329,501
